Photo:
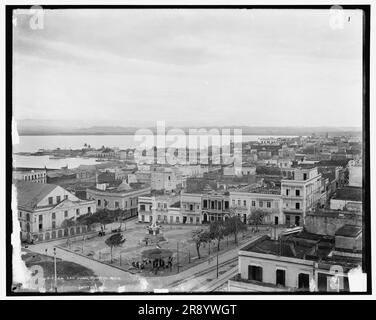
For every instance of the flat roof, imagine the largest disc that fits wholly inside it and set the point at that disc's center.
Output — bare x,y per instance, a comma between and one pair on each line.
350,231
349,193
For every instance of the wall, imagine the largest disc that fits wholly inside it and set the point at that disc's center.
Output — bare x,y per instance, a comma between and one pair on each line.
329,224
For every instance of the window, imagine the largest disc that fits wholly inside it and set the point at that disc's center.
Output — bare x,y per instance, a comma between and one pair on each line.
268,204
40,226
303,281
177,220
288,220
287,192
159,217
77,211
40,218
142,218
297,220
50,200
205,204
244,203
255,273
197,220
58,199
88,209
116,204
297,193
239,202
304,176
191,207
99,202
219,205
226,205
261,204
53,224
142,207
65,214
66,197
253,203
53,215
280,277
27,217
297,205
191,219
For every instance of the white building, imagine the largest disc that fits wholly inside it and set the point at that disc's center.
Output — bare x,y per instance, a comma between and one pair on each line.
158,206
269,201
303,262
355,174
300,193
42,208
29,174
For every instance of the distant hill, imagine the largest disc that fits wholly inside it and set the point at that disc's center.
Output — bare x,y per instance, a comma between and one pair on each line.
117,130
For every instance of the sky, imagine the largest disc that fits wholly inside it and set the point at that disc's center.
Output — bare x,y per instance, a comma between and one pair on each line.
189,67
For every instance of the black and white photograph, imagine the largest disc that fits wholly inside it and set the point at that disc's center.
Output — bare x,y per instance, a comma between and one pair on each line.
188,150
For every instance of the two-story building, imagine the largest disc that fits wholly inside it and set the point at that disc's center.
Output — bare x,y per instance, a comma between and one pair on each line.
123,197
156,207
247,200
30,174
42,209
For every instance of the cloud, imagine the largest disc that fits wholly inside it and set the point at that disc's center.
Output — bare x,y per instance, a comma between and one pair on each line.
215,66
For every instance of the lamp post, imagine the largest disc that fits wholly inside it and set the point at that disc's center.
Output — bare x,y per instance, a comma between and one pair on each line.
55,269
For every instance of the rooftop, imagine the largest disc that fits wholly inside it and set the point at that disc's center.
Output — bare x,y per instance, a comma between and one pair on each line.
349,193
29,194
350,231
301,246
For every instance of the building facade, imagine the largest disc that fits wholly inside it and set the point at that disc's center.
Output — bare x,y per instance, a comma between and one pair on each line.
300,192
33,175
268,201
123,198
42,209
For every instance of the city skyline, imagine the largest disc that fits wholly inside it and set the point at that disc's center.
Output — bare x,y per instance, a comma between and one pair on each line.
189,68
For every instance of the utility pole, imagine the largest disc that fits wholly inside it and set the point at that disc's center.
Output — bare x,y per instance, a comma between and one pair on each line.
177,256
217,263
55,269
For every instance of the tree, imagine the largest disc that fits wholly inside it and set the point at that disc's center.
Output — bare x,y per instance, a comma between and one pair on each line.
217,231
233,226
256,218
66,224
200,236
116,240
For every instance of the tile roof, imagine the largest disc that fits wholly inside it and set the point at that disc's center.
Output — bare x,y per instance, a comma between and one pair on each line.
30,193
